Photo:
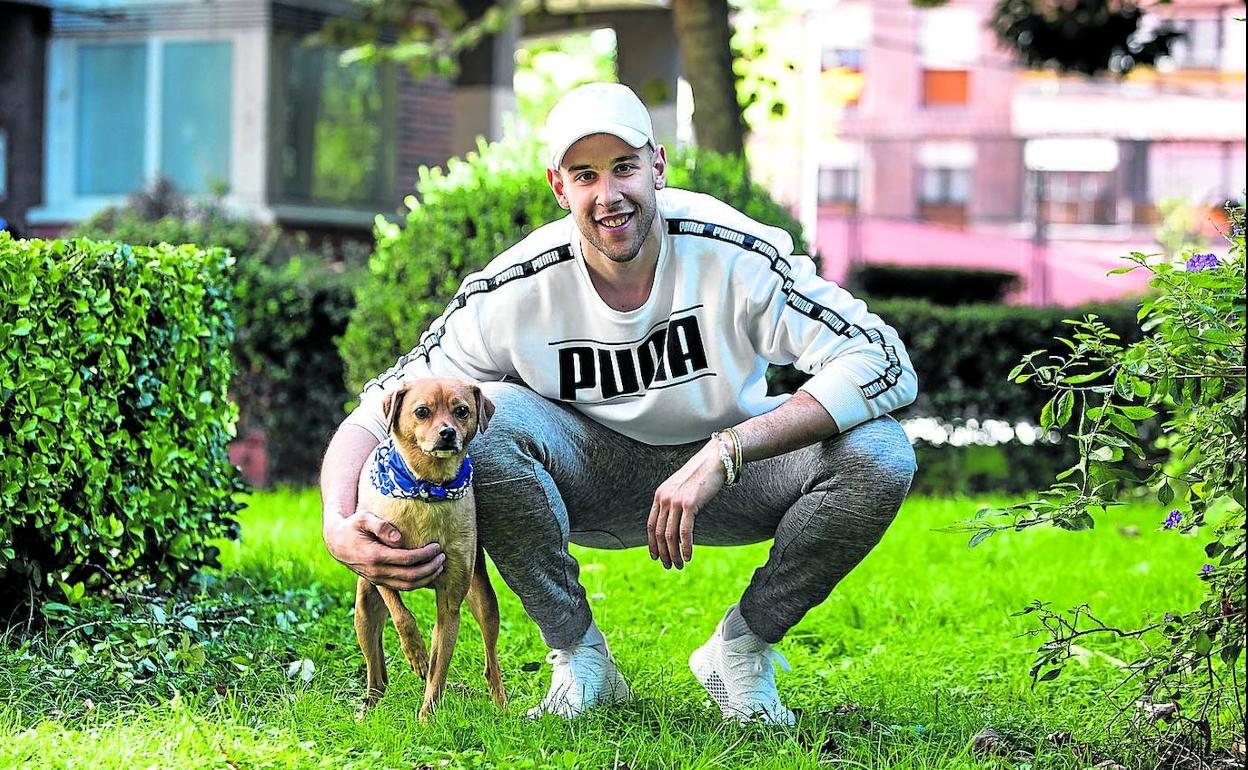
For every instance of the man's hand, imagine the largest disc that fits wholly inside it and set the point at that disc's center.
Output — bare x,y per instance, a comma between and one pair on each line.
676,503
367,545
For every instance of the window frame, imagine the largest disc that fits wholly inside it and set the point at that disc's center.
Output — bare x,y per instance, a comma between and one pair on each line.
62,201
281,42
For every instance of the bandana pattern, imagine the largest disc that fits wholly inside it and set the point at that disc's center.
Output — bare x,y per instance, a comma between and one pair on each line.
391,477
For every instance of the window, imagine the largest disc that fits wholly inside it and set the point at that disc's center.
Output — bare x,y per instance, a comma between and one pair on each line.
841,72
945,87
118,146
949,40
838,186
944,194
333,125
195,116
1078,197
1080,178
111,139
945,185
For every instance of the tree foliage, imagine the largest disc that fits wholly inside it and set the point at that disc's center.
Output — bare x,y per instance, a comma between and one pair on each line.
1089,37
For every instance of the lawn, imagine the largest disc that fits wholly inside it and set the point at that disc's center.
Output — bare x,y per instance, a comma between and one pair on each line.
909,659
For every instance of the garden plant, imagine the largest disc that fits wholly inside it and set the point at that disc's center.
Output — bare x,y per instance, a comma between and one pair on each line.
1186,669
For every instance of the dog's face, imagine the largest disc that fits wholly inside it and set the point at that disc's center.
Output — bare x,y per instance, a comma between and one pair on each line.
437,416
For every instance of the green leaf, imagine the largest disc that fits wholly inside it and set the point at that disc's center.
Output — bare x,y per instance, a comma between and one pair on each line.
979,537
1138,412
1102,454
1165,495
1065,407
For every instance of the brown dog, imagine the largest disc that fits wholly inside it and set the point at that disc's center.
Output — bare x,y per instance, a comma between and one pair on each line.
418,481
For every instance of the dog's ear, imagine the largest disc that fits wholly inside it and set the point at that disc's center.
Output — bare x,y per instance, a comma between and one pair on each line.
392,407
485,409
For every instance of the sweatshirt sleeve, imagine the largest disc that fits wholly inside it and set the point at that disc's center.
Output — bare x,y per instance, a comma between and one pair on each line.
859,368
454,346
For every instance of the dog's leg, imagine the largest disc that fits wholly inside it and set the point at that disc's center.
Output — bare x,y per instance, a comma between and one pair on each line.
484,605
370,619
445,632
410,639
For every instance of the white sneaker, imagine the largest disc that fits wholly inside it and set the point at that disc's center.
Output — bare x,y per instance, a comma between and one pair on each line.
739,676
583,678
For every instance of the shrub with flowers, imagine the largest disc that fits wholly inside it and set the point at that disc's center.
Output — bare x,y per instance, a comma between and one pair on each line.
1187,375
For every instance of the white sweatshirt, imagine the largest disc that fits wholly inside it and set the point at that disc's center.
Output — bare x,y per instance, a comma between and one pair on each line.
729,297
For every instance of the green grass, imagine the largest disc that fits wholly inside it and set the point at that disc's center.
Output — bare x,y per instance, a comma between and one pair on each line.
918,646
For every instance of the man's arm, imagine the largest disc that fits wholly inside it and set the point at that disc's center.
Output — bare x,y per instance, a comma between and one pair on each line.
357,538
798,422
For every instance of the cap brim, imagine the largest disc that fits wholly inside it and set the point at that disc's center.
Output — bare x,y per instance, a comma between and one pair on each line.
632,136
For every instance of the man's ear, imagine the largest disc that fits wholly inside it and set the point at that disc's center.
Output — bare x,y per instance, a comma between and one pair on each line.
485,409
554,178
658,159
392,407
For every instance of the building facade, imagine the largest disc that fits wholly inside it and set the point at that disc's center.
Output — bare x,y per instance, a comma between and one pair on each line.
930,146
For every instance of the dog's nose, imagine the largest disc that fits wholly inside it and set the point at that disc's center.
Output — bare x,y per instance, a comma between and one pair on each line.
447,433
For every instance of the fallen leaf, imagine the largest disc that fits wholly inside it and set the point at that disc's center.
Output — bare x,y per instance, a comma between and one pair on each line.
1158,712
987,742
531,666
847,708
1059,738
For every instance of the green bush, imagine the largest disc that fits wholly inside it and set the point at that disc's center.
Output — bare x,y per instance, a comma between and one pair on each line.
475,210
963,355
291,302
938,285
114,418
1188,374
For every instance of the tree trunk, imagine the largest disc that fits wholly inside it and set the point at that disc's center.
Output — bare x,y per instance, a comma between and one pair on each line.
702,31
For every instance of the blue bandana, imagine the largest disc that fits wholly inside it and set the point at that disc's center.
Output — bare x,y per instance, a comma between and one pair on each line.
391,477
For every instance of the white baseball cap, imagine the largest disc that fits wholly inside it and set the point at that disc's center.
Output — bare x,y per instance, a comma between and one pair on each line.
597,108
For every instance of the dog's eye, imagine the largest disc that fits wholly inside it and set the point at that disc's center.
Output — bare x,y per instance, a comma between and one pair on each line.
461,411
422,412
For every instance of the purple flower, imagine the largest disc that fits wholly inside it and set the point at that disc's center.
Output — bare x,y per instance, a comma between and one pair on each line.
1173,519
1200,262
1205,570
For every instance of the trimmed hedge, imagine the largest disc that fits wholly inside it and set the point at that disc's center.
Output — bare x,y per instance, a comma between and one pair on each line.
1011,468
114,418
938,285
963,355
291,303
475,210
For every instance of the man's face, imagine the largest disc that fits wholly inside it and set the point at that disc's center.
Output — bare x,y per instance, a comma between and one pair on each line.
609,186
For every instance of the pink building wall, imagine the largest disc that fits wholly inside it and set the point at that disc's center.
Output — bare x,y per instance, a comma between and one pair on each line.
1190,123
1070,272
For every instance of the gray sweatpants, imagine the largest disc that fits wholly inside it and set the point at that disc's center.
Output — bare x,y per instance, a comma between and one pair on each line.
546,475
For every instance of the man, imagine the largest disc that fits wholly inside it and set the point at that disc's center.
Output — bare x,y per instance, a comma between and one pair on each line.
613,343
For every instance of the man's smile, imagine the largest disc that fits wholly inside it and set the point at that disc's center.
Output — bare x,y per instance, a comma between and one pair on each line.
616,221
